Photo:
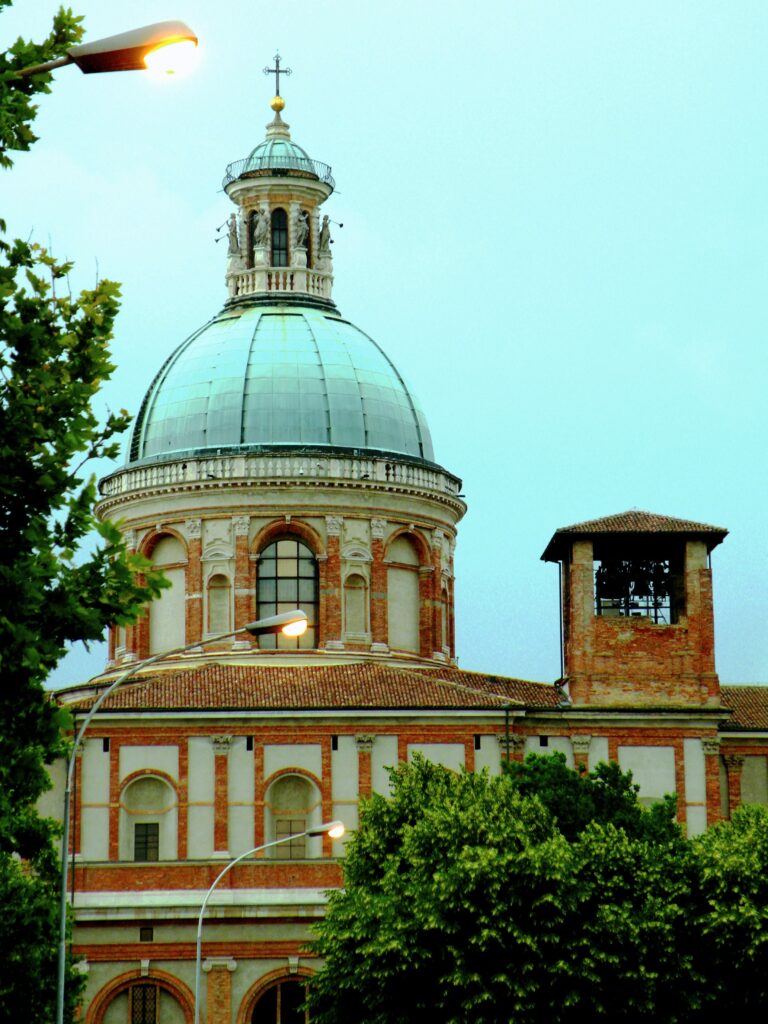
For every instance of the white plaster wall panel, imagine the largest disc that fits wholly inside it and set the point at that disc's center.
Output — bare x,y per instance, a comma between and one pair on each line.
202,777
450,755
293,755
403,609
240,772
161,758
94,773
171,1011
117,1010
555,744
754,780
383,757
51,803
94,834
166,615
241,828
489,755
653,769
348,813
598,751
695,820
344,769
200,832
694,768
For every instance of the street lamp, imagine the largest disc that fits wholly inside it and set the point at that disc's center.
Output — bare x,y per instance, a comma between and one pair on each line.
164,46
334,829
292,623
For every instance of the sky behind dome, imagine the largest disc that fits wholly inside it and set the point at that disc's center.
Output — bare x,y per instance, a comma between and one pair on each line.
554,224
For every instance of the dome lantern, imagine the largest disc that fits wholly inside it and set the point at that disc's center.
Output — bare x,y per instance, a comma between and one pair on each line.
278,245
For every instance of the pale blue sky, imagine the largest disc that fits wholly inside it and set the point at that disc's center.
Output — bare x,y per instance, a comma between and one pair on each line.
554,223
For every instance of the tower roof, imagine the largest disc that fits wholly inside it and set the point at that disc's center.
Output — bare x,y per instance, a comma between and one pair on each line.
631,522
278,154
275,377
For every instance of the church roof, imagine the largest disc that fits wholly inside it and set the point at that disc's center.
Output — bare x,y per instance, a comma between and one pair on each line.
360,686
266,377
633,521
749,705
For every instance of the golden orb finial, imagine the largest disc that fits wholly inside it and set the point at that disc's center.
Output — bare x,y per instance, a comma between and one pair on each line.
277,104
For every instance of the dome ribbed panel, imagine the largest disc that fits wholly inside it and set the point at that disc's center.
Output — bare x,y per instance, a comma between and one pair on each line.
274,377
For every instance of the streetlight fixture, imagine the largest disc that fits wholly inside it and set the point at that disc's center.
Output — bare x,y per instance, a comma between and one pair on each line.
292,623
166,46
334,829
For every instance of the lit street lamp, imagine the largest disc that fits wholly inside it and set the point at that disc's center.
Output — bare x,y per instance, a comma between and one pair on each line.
292,623
165,46
334,829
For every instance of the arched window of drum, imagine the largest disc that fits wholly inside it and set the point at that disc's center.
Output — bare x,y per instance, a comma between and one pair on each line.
219,592
355,604
282,1004
279,237
287,580
403,595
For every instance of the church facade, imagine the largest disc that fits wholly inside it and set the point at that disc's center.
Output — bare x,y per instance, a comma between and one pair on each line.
279,460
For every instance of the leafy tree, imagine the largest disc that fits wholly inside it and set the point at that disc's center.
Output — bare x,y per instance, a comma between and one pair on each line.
54,356
463,901
606,794
732,861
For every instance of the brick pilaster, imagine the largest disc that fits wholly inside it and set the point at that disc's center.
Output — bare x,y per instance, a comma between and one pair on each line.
365,743
733,765
378,583
244,590
426,608
221,793
194,582
183,798
331,621
219,990
712,778
581,745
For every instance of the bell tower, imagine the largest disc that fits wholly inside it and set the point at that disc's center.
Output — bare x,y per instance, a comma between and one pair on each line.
636,607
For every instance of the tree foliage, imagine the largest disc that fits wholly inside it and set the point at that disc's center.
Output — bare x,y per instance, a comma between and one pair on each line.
54,357
464,901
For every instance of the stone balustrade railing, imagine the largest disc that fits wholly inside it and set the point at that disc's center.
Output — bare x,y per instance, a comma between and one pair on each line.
299,467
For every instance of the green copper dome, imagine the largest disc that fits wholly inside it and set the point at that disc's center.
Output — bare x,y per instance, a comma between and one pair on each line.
274,377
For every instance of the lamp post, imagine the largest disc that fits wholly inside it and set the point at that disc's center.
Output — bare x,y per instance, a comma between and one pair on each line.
334,829
292,623
153,46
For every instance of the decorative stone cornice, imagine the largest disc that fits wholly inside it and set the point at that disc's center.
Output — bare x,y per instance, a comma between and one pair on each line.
581,744
334,525
221,745
220,963
516,742
378,528
194,528
241,525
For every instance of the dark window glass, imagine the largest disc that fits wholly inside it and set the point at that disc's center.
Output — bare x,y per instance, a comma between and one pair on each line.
144,1004
296,849
282,1004
288,580
146,841
146,934
105,744
279,238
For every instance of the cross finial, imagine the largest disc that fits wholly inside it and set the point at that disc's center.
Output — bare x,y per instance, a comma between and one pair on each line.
277,71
